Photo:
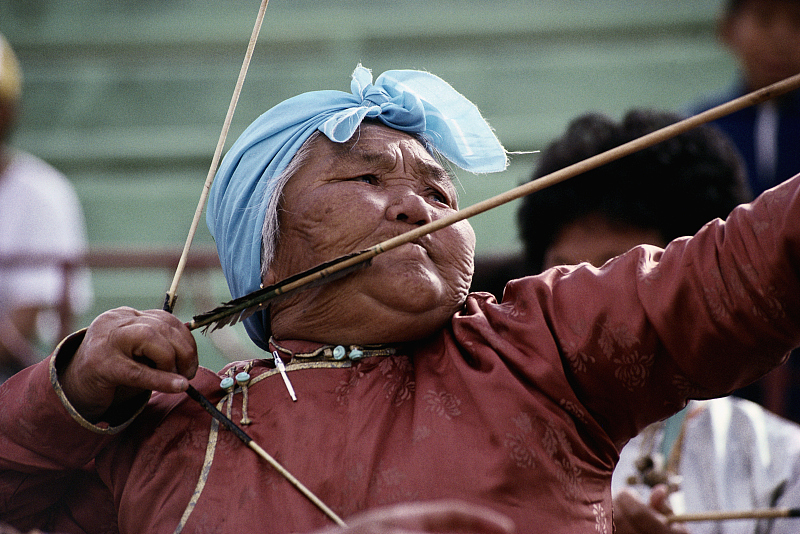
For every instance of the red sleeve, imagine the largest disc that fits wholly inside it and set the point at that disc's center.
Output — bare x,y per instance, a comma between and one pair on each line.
653,327
47,479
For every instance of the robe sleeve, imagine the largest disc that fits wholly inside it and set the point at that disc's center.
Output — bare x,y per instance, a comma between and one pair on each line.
653,328
47,451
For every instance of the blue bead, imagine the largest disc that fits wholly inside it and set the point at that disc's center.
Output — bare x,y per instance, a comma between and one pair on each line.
356,354
226,383
339,352
242,378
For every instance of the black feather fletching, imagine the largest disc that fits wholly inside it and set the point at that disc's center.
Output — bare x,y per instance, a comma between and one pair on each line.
237,310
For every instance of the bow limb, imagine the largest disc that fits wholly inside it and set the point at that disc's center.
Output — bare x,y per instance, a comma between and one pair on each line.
247,440
763,513
172,293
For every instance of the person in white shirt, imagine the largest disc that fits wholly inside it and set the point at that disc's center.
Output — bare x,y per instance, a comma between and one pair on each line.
42,229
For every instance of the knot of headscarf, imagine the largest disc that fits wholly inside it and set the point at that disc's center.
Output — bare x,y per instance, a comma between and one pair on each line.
406,100
400,109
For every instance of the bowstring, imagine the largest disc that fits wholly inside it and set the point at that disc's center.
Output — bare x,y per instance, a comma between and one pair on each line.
172,293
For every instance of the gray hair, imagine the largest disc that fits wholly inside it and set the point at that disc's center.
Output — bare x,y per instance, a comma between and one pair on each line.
270,232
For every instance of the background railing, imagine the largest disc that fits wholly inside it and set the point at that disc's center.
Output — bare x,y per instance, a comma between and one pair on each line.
117,275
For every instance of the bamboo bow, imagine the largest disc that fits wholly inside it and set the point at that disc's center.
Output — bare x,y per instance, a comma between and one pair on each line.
172,293
762,513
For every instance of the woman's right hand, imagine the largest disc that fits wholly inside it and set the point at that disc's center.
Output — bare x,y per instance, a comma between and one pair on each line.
127,353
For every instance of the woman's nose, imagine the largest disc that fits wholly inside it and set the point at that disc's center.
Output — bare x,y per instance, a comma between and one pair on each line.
410,208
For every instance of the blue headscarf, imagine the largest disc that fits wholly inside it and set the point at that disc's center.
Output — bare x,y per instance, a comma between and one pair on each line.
406,100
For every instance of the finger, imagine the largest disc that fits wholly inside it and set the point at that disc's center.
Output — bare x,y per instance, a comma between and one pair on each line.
140,375
659,499
631,515
159,337
158,348
183,343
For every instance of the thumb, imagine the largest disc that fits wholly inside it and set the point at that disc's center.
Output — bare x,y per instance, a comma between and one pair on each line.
659,499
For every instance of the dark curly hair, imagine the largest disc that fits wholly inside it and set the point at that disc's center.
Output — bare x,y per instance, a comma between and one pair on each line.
674,187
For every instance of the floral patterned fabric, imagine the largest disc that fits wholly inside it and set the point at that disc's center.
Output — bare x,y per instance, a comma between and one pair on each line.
521,405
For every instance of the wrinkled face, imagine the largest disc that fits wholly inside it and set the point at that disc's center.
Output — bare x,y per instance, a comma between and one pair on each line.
595,240
765,35
351,196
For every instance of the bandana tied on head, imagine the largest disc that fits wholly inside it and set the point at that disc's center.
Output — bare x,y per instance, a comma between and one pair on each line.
406,100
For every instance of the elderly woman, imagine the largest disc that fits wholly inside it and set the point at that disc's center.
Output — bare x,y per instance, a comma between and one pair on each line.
408,388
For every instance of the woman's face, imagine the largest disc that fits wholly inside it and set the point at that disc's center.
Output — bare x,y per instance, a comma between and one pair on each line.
351,196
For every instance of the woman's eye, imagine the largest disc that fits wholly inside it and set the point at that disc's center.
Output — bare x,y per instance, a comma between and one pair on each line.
367,179
436,196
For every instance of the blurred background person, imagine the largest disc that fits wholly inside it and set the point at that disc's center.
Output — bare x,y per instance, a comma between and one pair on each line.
41,228
725,454
764,38
631,198
653,196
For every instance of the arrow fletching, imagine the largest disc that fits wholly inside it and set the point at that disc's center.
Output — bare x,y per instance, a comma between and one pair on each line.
237,310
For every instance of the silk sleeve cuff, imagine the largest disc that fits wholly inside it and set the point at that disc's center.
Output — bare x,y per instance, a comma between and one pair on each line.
114,421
